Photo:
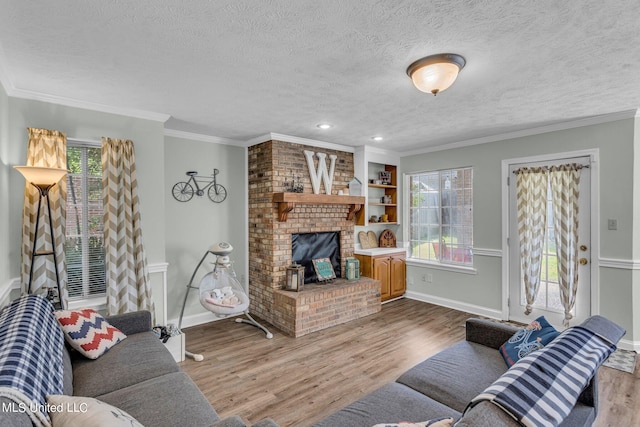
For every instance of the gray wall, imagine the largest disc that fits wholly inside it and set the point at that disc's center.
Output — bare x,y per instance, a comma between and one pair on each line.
5,173
147,135
177,233
616,143
193,226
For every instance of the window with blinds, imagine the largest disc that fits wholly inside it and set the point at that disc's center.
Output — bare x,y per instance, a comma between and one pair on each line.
441,216
84,235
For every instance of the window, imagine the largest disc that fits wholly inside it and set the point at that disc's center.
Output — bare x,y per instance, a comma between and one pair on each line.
441,216
84,247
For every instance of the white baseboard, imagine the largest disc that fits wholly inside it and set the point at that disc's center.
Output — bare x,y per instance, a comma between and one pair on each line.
5,291
456,305
198,319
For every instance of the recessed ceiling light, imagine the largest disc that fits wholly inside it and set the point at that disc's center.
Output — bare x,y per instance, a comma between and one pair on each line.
324,126
377,138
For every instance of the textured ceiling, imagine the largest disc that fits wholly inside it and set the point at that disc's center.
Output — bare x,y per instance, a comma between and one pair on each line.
242,69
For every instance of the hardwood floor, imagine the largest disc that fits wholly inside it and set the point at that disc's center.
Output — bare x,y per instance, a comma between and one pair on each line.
297,381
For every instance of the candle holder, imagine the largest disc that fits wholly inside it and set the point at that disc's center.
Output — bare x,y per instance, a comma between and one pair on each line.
295,278
353,269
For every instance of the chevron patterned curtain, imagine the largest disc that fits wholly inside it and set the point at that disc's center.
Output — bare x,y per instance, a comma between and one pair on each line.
47,148
128,286
531,194
565,182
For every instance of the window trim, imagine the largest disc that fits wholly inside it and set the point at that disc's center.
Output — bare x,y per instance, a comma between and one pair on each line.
435,264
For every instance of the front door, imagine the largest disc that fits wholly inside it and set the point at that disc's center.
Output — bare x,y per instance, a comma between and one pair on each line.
547,301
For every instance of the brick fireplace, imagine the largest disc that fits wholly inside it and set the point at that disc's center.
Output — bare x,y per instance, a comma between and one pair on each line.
318,306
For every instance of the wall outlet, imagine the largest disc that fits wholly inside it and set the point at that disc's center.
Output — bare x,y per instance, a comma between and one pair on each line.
424,277
429,278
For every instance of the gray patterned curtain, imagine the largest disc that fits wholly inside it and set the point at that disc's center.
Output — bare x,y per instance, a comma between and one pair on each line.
128,285
565,185
47,148
531,187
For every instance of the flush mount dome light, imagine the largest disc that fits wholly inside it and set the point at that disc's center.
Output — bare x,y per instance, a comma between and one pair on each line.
435,73
324,126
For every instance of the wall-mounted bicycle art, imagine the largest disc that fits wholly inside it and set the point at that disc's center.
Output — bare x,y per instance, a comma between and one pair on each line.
183,191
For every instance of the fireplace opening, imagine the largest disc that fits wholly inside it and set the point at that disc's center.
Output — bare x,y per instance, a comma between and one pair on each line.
305,247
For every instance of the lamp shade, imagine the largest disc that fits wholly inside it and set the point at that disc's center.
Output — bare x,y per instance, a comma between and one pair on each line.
41,176
435,73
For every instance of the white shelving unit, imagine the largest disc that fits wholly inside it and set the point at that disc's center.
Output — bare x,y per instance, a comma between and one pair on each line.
368,163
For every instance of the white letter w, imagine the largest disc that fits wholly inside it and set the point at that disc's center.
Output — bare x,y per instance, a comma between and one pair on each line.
321,174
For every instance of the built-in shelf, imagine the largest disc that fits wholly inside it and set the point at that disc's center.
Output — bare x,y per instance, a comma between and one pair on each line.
287,202
376,191
381,186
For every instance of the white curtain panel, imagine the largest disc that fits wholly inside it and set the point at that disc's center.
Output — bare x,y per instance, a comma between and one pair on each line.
46,148
565,185
128,286
531,195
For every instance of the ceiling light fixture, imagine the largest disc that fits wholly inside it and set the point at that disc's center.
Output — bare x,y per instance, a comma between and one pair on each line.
377,138
324,126
435,73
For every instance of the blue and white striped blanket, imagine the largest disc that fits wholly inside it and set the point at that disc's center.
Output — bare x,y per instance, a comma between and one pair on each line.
543,387
31,344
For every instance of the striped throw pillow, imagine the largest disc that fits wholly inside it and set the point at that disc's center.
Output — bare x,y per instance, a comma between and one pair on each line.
88,332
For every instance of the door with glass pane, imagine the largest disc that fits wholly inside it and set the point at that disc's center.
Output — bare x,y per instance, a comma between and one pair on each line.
547,301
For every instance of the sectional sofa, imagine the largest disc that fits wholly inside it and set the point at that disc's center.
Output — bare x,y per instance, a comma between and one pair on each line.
446,384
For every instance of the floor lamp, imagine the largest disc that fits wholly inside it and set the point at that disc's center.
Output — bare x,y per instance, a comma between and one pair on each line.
43,179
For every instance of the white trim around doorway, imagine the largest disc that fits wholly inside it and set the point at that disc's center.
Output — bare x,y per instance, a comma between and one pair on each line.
593,155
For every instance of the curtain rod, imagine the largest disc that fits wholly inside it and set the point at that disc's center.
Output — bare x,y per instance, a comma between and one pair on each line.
578,166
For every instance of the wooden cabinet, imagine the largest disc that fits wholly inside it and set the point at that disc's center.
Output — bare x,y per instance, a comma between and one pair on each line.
389,269
398,276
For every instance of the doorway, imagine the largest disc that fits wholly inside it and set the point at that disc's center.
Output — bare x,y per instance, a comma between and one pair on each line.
547,300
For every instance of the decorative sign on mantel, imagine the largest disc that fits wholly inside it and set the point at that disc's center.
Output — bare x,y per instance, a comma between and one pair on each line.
321,173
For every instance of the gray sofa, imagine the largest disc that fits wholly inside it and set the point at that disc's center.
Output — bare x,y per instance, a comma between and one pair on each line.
139,376
444,384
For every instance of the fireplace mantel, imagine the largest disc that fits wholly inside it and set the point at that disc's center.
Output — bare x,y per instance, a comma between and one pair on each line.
287,202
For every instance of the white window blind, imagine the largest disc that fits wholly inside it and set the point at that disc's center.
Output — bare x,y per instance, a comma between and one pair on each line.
84,225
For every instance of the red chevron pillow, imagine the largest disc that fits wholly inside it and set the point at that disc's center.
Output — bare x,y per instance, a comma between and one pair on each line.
88,332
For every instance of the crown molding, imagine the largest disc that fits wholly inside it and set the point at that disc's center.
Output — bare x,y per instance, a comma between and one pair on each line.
298,140
201,137
69,102
571,124
369,149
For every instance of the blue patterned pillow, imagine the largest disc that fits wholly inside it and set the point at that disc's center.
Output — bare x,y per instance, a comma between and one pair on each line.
533,337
